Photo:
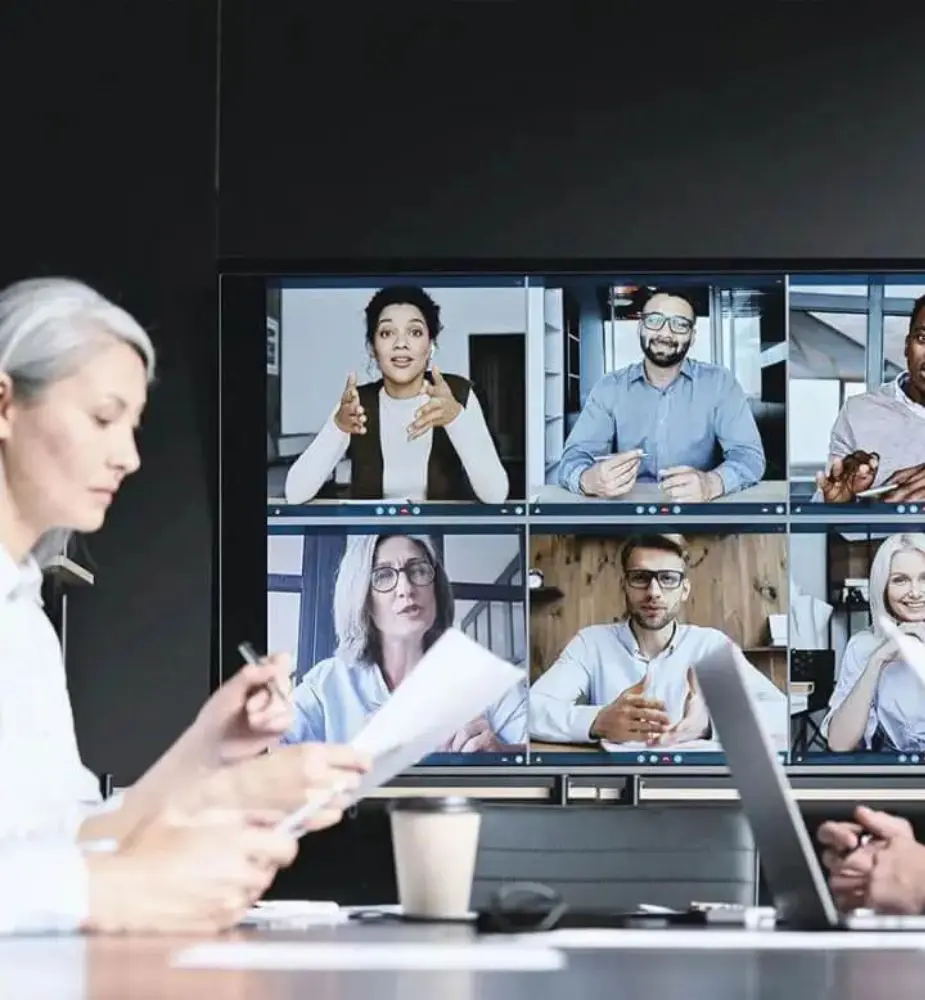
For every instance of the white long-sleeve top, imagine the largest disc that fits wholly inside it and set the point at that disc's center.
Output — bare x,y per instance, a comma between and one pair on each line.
45,791
404,462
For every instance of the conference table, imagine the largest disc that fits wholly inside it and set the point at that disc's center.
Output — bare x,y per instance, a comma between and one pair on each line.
128,968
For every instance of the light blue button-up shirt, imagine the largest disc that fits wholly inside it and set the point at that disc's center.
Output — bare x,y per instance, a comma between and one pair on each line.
602,661
334,699
680,424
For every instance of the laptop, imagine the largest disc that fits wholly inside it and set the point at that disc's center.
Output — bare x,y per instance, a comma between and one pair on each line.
793,872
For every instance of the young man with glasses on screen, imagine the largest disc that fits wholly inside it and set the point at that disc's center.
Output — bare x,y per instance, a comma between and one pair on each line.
633,682
664,419
878,438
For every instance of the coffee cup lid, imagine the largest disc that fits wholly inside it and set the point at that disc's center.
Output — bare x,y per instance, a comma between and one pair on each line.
434,804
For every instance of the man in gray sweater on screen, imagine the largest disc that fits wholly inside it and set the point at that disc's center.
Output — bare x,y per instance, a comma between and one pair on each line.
878,438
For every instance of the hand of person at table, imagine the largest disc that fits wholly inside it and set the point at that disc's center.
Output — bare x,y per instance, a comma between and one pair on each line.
612,476
886,874
848,476
283,781
910,485
247,714
441,408
350,417
186,876
475,736
695,719
685,484
631,718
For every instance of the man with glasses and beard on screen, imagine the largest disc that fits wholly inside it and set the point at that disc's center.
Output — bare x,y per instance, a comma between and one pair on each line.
630,684
666,419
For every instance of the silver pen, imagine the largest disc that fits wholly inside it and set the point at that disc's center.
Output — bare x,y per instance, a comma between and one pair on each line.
250,655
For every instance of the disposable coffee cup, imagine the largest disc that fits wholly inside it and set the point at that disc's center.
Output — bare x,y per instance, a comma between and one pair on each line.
435,842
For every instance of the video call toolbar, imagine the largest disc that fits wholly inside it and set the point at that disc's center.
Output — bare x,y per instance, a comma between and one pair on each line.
598,478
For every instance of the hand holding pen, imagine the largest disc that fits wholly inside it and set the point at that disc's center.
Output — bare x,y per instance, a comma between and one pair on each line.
273,686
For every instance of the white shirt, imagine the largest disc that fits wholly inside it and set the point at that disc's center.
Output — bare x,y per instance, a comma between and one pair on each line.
898,704
602,661
404,462
45,791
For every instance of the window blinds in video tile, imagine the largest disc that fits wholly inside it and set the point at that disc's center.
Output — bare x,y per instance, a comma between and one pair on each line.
617,622
853,696
358,608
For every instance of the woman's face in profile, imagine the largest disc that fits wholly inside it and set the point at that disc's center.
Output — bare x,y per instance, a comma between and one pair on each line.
402,593
401,344
905,589
68,451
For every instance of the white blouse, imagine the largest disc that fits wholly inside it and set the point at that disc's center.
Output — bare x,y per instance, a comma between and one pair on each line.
45,790
404,462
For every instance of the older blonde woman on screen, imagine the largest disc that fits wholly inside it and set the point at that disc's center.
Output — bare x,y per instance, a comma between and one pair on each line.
392,601
74,371
879,700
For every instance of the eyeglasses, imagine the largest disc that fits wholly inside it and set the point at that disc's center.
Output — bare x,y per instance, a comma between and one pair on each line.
418,572
681,326
641,579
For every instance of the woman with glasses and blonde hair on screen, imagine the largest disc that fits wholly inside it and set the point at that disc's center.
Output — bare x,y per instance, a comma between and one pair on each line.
392,601
74,376
879,700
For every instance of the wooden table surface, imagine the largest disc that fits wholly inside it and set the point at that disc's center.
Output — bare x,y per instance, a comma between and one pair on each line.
140,969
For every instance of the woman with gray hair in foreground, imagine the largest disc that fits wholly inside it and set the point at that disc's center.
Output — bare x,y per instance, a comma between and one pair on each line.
392,601
191,844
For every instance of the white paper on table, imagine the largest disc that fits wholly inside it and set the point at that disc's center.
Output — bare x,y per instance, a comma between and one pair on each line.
453,682
295,913
334,955
912,649
607,939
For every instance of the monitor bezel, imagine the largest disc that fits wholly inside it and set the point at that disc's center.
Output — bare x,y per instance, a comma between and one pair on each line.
241,508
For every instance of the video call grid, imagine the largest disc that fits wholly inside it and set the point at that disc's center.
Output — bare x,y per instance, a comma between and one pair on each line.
539,519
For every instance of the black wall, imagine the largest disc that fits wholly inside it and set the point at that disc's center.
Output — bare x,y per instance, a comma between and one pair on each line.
510,130
107,175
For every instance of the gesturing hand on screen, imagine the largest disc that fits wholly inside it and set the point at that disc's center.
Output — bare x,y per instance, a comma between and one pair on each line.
476,736
350,417
613,476
695,719
631,718
441,408
910,484
848,476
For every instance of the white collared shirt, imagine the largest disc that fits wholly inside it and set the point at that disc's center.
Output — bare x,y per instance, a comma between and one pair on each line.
45,791
602,661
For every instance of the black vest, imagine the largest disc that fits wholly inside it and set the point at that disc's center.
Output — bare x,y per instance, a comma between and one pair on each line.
446,478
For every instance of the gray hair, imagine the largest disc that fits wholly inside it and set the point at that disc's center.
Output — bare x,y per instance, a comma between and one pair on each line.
357,636
880,569
48,329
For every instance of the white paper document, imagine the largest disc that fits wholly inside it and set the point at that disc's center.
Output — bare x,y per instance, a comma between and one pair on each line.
912,649
354,957
608,939
453,683
273,913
